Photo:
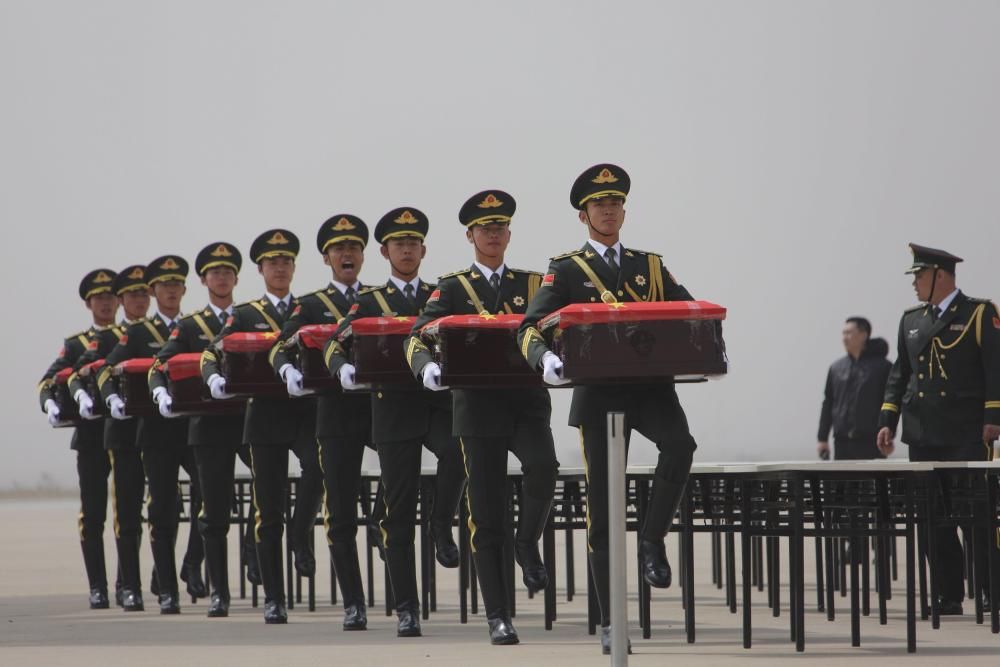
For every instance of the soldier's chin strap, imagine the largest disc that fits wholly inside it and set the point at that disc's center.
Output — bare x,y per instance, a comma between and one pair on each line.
930,297
591,225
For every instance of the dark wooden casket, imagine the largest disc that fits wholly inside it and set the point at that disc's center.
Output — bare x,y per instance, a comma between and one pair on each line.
310,341
69,413
88,375
246,367
638,341
133,386
190,394
376,349
479,351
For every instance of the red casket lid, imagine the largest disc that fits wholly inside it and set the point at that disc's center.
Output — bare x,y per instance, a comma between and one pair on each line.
249,341
92,367
503,322
382,326
184,366
638,311
316,335
140,365
62,377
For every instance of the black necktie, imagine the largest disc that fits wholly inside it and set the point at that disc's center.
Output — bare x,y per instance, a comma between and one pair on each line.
935,313
495,282
223,317
408,292
282,308
171,326
350,295
609,255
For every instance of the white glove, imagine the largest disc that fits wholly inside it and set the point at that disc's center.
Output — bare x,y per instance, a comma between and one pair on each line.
552,367
346,375
117,407
432,377
217,387
164,404
293,380
86,406
52,411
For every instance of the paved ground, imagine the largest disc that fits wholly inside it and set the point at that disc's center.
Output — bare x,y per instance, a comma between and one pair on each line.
44,621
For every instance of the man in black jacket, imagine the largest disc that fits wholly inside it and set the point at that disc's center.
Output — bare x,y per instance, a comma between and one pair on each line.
855,385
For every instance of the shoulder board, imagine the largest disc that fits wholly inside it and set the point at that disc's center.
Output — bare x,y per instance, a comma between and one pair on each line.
455,273
524,271
247,304
636,251
912,309
308,295
567,254
78,334
191,316
428,287
369,290
977,300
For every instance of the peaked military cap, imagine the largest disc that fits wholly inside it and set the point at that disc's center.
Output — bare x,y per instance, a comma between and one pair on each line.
341,227
96,282
402,222
129,279
931,258
274,243
598,182
217,254
487,207
166,268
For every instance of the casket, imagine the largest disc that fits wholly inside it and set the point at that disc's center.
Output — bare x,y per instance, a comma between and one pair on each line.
309,341
637,342
190,394
479,351
133,386
376,348
245,365
88,375
69,414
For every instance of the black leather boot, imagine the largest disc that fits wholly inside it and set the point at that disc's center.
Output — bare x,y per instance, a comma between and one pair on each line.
531,521
445,549
250,557
664,500
165,572
345,563
490,569
269,554
408,619
97,578
218,575
191,575
128,567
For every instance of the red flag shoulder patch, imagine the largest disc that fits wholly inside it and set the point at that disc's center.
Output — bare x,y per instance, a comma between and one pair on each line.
354,308
123,340
175,333
548,279
92,345
298,309
435,295
996,322
229,321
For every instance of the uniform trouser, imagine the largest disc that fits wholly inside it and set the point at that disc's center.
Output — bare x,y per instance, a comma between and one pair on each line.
486,469
215,465
270,476
162,465
949,554
340,460
93,467
128,488
400,463
669,479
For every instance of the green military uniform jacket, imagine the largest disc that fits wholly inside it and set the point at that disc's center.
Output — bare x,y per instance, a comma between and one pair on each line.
582,276
338,414
481,412
946,379
396,415
144,338
269,420
194,333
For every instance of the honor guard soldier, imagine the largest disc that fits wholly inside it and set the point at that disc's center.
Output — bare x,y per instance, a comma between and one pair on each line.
215,439
491,422
405,421
605,271
274,425
129,481
92,463
162,442
946,383
343,421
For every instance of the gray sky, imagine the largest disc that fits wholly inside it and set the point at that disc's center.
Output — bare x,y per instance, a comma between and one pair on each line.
781,153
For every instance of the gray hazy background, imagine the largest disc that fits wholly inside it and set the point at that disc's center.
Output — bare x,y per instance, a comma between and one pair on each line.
782,154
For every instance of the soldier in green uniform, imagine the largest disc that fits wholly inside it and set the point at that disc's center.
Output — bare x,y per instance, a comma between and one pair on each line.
215,439
946,383
162,442
92,463
405,421
129,481
273,425
491,422
605,271
343,421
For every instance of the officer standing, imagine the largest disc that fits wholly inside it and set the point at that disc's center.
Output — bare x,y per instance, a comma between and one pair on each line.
273,425
215,439
343,421
491,422
406,421
946,383
603,270
162,442
92,463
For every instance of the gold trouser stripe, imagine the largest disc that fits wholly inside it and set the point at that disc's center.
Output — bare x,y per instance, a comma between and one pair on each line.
381,526
256,507
467,286
586,474
598,285
329,304
383,304
156,334
891,407
468,498
114,495
149,501
326,509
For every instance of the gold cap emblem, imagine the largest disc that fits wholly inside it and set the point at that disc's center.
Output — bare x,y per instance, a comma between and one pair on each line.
406,218
102,277
136,274
169,264
277,239
605,177
221,251
344,225
490,202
